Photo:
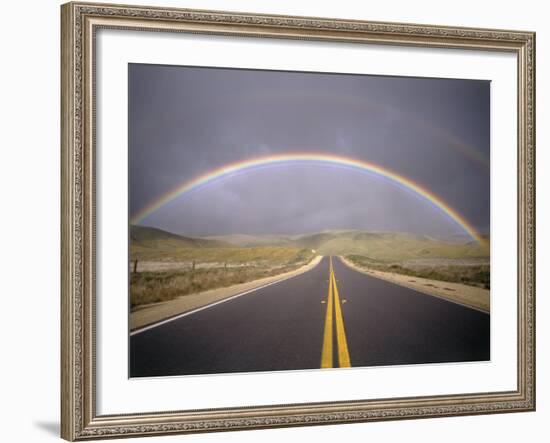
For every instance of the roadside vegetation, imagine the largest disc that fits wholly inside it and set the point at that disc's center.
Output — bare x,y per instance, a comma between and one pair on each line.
231,266
269,255
473,274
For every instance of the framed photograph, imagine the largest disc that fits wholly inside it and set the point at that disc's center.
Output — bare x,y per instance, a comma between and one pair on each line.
282,221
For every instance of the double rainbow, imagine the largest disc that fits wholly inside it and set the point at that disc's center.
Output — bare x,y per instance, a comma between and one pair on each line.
308,158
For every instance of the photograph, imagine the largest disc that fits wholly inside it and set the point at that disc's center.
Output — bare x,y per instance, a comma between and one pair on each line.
288,220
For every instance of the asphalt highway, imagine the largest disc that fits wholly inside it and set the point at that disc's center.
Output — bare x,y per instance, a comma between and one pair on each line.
330,316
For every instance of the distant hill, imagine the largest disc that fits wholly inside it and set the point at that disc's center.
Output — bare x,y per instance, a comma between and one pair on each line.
379,246
152,244
385,246
147,237
389,245
246,240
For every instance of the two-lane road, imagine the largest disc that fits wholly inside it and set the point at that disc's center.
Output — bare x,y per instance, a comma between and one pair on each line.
330,316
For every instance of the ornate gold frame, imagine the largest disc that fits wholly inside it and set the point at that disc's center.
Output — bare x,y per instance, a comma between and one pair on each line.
79,420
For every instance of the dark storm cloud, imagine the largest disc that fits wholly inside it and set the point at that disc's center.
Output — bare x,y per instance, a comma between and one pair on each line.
186,121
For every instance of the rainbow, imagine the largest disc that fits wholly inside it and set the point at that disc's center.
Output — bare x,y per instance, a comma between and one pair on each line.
326,98
308,158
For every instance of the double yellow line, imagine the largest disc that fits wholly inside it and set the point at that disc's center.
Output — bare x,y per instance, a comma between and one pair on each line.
334,313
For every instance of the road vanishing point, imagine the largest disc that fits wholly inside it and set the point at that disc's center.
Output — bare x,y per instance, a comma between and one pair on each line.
328,317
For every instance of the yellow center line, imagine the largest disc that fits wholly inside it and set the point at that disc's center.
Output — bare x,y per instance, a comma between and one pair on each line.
326,356
333,305
343,352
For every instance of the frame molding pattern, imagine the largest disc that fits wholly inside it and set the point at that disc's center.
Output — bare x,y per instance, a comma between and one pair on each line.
78,416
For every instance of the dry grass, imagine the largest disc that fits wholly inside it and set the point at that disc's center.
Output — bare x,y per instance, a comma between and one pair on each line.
258,255
477,275
468,295
153,287
170,265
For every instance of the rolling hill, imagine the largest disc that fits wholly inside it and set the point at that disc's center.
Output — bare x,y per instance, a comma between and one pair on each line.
390,246
381,246
152,244
385,246
247,240
147,237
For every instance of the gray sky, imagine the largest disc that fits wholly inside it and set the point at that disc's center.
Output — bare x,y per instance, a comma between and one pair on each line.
186,121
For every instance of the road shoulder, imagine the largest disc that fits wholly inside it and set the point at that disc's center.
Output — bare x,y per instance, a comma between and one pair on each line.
157,312
469,296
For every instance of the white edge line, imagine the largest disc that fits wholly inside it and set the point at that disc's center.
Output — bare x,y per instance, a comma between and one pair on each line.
193,311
